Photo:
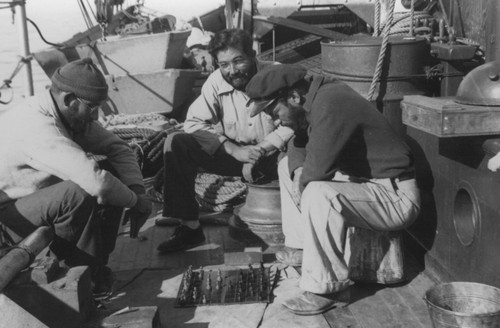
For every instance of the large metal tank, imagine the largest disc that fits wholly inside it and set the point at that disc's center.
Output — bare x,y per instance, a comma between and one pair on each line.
354,61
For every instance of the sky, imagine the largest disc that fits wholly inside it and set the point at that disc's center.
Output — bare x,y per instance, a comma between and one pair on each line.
62,18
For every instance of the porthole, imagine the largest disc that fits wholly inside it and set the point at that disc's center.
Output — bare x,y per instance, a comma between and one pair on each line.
466,214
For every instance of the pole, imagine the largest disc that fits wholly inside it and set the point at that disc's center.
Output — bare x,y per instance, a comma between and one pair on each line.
21,15
21,257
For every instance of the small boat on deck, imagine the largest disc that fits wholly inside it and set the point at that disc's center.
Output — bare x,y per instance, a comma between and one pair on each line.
428,52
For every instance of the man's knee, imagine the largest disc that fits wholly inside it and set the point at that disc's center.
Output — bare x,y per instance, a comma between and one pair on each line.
176,141
283,168
74,194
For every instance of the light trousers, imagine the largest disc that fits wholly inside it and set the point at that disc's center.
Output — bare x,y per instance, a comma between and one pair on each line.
328,208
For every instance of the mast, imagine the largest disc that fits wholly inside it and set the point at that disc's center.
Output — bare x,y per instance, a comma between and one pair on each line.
23,35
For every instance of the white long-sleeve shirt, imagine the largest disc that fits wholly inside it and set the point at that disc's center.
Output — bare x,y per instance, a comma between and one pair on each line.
224,113
36,150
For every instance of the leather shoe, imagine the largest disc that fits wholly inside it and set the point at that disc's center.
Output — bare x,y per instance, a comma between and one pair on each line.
166,221
308,303
290,256
183,238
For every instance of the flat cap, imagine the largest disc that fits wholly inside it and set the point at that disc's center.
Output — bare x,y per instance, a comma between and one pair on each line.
270,80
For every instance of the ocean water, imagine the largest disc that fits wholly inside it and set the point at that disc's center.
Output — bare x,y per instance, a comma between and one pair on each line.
58,21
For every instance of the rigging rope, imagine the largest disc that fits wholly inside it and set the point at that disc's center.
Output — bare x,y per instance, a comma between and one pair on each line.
383,47
7,82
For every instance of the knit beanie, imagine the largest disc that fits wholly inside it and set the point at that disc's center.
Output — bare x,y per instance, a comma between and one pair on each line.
83,78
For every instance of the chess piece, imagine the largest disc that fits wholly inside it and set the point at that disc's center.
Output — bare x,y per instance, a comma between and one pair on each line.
204,299
195,293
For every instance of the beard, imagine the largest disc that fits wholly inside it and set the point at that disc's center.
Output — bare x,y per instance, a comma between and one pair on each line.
239,80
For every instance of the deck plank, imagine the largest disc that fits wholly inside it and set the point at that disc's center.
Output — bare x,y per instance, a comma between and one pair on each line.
371,305
368,311
341,318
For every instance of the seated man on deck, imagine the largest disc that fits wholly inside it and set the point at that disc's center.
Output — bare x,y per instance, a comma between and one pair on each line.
220,137
346,166
46,177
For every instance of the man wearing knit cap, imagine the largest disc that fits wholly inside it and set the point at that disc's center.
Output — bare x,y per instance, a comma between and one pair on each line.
47,178
346,166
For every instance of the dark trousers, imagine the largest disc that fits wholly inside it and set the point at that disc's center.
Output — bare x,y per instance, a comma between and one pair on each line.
85,232
183,157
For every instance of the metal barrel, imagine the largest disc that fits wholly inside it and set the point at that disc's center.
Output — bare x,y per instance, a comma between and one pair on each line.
354,60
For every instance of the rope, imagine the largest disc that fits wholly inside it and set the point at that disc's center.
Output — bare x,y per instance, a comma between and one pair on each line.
412,13
376,28
219,193
7,82
383,47
85,14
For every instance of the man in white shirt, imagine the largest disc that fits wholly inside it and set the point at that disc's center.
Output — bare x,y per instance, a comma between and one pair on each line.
220,136
46,177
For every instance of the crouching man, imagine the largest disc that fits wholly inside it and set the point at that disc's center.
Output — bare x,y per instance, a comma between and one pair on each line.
46,177
345,167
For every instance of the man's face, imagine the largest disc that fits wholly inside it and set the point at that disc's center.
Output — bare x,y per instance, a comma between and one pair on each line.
80,113
287,113
236,67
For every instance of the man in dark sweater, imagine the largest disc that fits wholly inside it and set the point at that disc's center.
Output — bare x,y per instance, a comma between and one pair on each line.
345,167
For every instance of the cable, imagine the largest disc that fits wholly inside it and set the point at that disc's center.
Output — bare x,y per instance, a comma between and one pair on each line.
41,35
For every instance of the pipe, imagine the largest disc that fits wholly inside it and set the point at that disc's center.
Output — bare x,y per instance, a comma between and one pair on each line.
23,34
21,256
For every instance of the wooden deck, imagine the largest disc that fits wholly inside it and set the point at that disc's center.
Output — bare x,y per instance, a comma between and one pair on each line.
144,278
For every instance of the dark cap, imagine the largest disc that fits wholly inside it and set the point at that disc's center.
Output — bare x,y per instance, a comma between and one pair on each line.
82,78
269,81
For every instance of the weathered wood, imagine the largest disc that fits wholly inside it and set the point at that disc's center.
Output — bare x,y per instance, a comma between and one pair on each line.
13,315
134,317
443,117
341,318
371,305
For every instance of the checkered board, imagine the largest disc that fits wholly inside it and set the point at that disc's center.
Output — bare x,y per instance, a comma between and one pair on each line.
226,286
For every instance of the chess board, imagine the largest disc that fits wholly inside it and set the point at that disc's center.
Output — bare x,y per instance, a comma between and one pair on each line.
226,286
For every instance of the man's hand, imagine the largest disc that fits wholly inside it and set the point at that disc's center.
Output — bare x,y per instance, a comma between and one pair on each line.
296,194
245,154
494,163
139,214
247,172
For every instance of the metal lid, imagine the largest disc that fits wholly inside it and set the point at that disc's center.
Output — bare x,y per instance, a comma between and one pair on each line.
481,86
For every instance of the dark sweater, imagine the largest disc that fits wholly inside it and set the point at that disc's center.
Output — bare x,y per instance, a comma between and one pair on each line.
346,133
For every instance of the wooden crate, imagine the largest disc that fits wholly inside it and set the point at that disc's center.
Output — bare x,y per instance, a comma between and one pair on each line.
443,117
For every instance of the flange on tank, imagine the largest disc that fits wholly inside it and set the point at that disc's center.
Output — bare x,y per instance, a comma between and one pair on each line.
354,61
481,86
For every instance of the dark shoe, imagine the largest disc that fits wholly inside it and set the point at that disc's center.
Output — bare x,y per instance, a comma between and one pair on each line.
166,221
182,238
290,256
308,303
102,282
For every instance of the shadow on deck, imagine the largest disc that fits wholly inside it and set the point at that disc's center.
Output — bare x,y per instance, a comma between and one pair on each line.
145,277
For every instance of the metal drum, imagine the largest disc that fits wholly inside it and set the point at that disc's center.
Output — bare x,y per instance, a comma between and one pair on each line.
354,60
259,218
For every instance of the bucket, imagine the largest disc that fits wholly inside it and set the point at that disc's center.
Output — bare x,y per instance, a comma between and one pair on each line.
464,305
